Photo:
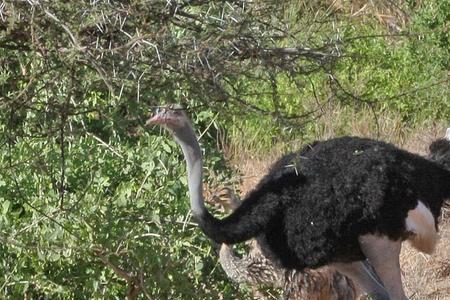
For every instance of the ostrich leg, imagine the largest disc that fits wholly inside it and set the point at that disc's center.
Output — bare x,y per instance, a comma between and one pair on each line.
384,253
364,278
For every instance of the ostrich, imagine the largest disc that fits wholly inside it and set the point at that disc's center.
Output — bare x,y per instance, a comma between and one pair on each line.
255,269
337,203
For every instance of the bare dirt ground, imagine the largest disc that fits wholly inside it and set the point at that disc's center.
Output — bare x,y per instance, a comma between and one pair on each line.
424,276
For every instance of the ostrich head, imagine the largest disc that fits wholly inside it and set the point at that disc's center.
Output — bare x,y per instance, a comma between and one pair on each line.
171,117
174,119
440,150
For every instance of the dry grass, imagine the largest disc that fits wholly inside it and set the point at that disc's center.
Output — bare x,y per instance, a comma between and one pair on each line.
424,276
428,276
387,12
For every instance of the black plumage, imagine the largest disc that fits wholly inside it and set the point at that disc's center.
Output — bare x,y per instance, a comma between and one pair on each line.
313,205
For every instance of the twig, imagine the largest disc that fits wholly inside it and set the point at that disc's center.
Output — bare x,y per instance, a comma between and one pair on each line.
144,289
207,127
138,194
63,158
66,29
134,284
106,145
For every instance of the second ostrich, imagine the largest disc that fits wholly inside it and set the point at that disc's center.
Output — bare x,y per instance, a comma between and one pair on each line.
337,203
255,269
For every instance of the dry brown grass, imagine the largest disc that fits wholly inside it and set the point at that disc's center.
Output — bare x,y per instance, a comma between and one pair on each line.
389,13
424,276
428,276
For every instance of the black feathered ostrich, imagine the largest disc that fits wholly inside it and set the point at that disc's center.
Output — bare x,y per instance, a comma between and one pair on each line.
336,202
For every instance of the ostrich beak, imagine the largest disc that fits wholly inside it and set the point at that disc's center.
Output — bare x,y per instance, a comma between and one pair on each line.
157,119
447,134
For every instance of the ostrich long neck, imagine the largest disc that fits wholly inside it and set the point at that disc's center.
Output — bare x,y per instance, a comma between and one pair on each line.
237,227
193,156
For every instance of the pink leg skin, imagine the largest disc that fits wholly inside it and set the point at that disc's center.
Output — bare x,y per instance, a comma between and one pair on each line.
364,278
383,255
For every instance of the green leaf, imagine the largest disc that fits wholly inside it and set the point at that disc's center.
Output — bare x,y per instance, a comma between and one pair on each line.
199,266
166,147
5,207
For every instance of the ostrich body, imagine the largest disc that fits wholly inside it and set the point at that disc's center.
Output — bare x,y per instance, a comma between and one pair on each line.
255,269
339,202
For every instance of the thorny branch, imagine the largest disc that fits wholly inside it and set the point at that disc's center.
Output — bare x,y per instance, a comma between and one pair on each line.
136,283
220,42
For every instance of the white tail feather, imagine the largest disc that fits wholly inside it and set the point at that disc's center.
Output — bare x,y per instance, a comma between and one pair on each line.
420,222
